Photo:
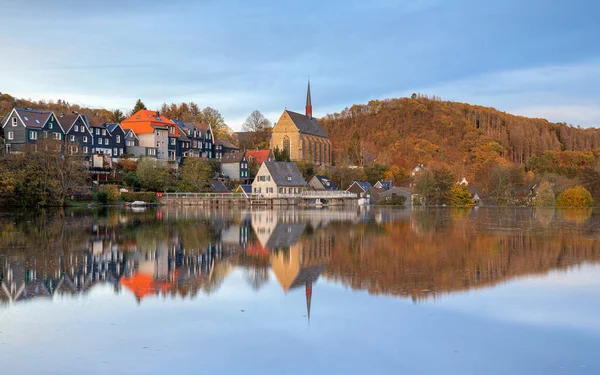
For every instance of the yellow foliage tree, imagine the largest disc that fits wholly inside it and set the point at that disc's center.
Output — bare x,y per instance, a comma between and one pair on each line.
575,197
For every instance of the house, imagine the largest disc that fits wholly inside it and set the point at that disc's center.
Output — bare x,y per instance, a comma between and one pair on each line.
301,137
207,146
278,179
153,130
416,170
184,146
22,126
235,166
360,188
173,138
385,185
244,188
117,138
463,182
319,182
77,133
195,133
102,140
223,147
259,156
133,148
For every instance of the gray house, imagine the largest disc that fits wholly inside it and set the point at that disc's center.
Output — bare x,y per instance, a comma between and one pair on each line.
23,126
235,166
77,134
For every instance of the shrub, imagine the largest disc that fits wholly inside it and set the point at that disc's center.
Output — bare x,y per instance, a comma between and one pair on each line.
148,197
544,196
575,197
112,192
101,197
460,197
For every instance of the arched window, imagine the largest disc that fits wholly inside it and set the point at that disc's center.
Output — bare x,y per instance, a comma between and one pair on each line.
286,145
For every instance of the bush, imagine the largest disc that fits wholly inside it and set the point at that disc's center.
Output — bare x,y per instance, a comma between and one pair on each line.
148,197
112,192
544,196
575,197
460,197
394,200
101,197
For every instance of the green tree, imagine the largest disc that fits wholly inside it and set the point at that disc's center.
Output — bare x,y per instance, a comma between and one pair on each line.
117,115
577,196
195,174
433,187
152,174
459,196
138,106
280,155
544,196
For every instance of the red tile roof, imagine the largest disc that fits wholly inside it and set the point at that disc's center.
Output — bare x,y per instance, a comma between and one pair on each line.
144,121
259,156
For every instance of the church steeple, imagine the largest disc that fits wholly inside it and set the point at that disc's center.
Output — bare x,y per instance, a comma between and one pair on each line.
308,102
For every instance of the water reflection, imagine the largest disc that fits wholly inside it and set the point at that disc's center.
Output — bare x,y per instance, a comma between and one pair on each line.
183,251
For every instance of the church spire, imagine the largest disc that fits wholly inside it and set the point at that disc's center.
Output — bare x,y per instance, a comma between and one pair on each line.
308,102
308,298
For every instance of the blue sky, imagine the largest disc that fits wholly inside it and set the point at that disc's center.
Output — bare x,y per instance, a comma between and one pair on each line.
531,57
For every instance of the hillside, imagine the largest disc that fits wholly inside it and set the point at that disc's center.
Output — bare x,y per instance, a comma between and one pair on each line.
409,131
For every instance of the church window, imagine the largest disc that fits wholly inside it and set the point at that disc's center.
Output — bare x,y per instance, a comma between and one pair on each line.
286,145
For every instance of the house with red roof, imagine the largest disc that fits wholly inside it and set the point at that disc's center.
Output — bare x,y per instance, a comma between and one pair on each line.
153,131
259,156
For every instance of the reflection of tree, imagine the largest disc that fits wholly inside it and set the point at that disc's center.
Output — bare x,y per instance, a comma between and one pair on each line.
576,215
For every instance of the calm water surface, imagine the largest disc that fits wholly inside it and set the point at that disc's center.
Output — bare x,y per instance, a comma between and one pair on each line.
382,291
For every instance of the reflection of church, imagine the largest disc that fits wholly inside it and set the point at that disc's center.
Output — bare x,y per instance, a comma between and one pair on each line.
298,253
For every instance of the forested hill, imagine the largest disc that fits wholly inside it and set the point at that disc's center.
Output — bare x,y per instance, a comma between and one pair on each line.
408,131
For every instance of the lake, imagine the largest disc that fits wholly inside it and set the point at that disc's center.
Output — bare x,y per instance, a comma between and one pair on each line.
186,290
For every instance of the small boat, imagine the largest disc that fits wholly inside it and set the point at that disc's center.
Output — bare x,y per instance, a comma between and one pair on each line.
137,204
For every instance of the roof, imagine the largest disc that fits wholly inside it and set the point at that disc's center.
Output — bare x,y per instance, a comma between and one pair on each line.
183,137
67,121
246,188
285,235
306,124
100,126
365,185
285,173
325,181
259,156
227,144
112,126
232,157
32,118
144,121
218,187
386,185
129,132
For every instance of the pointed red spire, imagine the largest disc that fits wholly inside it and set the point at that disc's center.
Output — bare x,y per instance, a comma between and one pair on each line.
308,102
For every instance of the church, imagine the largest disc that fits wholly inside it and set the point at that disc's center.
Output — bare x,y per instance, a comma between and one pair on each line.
301,136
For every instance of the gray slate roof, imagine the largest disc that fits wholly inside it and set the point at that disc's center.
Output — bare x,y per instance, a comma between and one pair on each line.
285,173
285,235
326,182
226,144
111,126
306,124
365,185
67,121
218,187
232,157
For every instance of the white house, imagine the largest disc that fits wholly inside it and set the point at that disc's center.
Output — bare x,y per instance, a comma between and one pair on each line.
278,179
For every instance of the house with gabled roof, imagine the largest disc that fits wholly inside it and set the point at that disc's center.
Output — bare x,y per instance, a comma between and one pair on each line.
223,147
23,126
77,133
385,185
278,179
320,182
301,136
259,156
235,166
152,129
133,148
360,188
117,138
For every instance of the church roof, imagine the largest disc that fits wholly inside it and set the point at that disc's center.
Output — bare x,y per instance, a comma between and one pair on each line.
306,124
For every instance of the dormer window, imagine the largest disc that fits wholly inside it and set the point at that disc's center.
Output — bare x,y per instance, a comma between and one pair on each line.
289,179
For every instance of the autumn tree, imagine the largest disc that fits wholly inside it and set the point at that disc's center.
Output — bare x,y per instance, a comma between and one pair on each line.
590,179
138,106
259,129
577,196
195,174
152,174
214,118
459,196
355,149
544,195
433,186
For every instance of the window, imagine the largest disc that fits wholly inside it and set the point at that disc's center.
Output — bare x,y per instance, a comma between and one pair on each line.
85,150
37,121
99,141
14,121
76,128
49,125
129,143
56,136
72,138
286,145
280,190
10,135
85,139
97,131
157,144
25,118
268,178
151,151
172,129
115,151
106,141
103,131
118,139
172,141
33,135
121,151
